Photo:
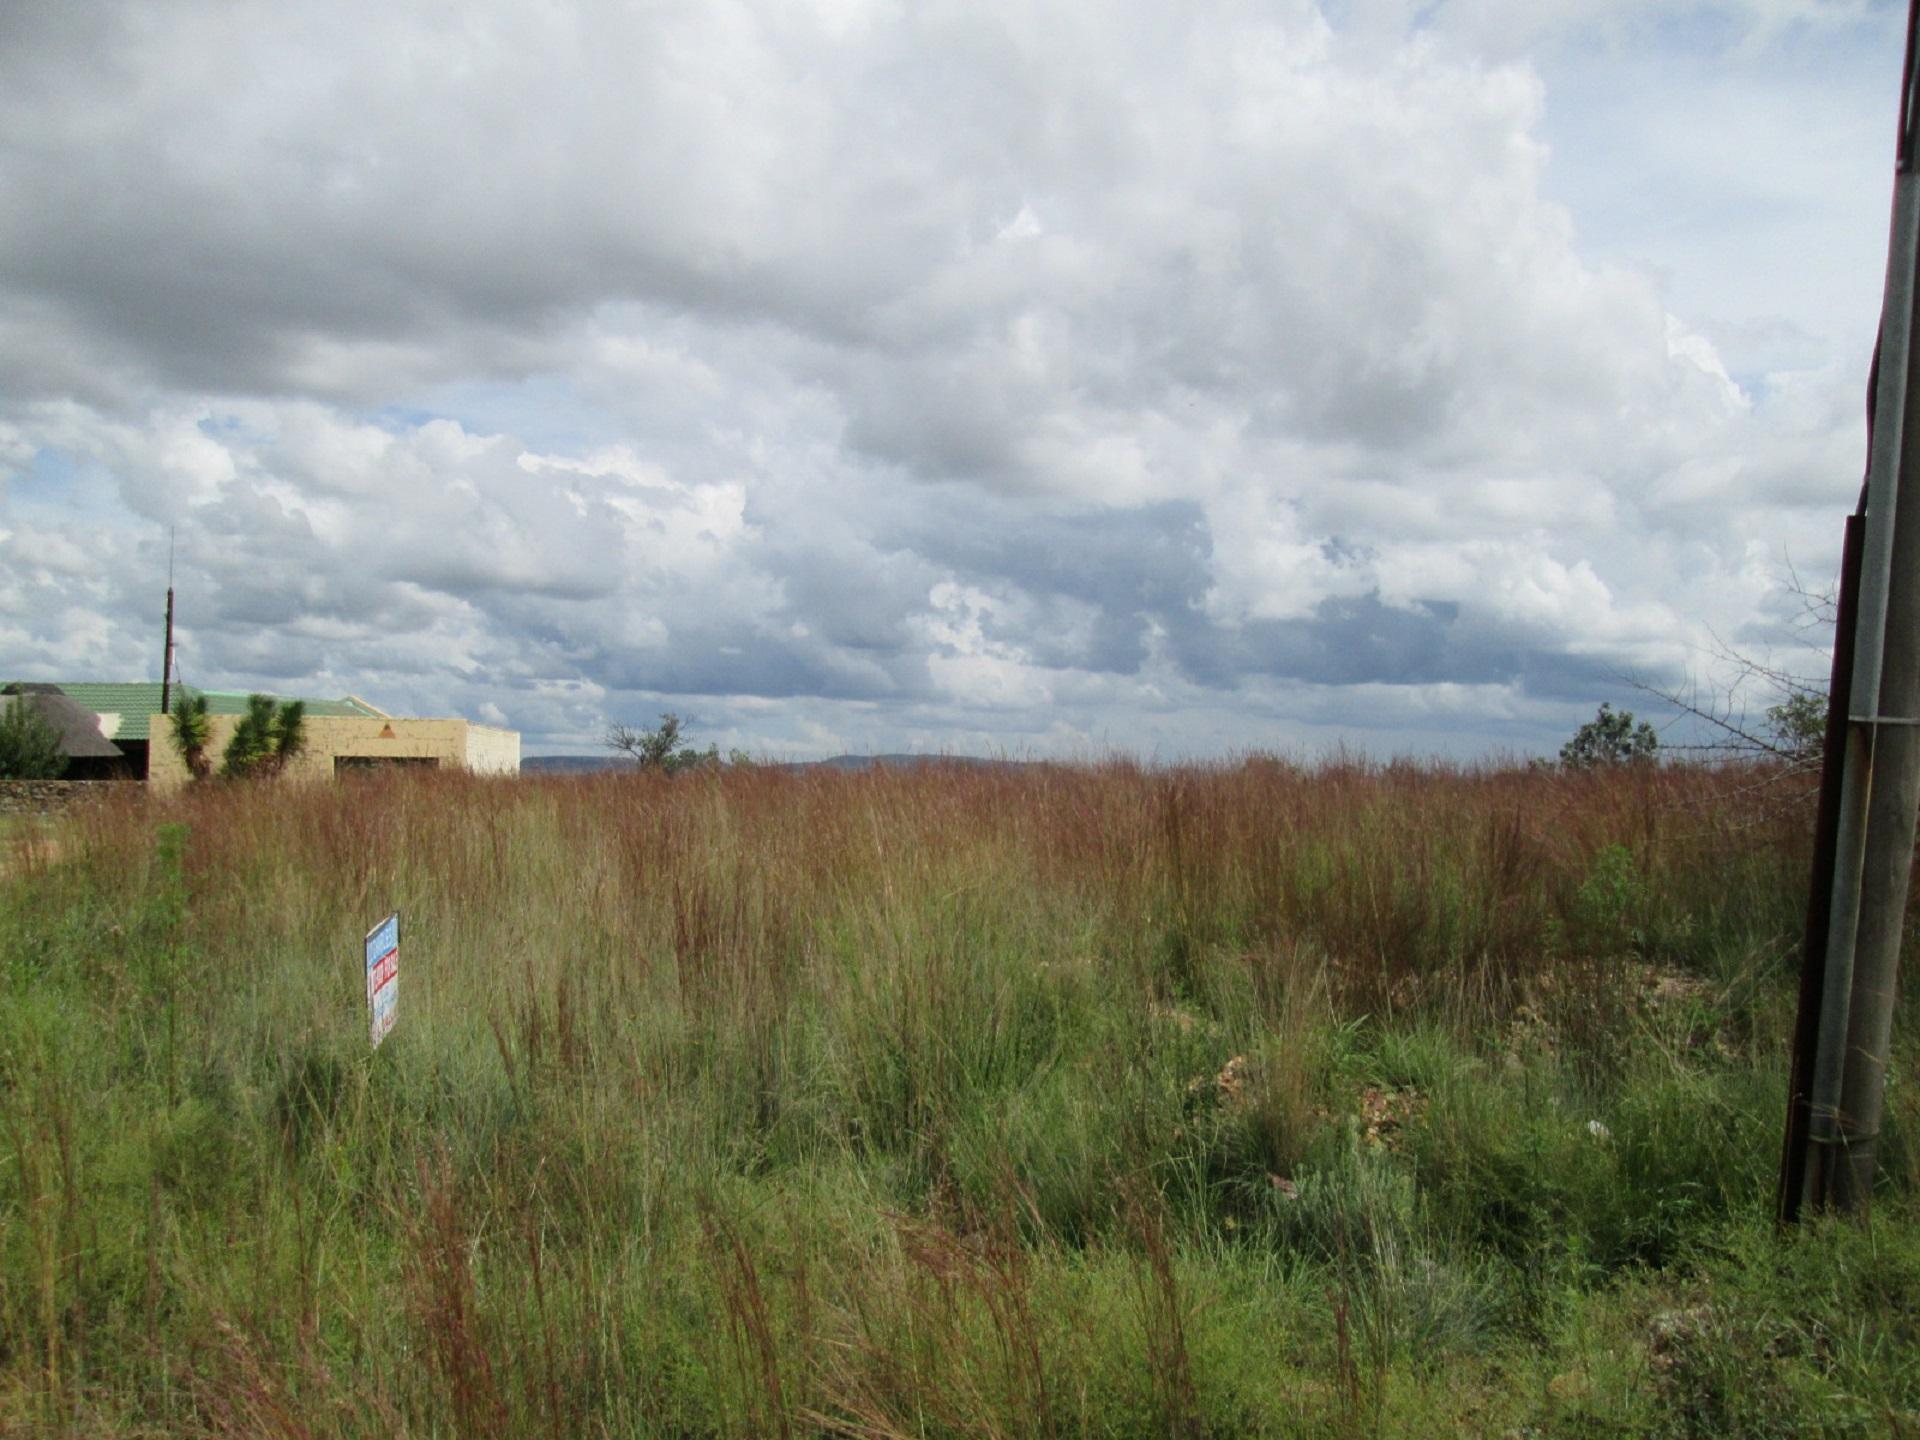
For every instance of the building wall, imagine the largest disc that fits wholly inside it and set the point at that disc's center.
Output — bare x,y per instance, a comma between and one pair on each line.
493,751
446,743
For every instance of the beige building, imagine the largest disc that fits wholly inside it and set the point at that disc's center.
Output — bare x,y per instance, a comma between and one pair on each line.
342,736
339,744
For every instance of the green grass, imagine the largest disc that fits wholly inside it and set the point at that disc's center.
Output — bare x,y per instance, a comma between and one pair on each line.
1250,1101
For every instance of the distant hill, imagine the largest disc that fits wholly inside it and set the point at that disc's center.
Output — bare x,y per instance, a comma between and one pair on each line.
867,762
588,764
570,764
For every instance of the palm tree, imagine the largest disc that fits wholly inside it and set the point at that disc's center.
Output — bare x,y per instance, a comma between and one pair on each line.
192,730
269,735
290,733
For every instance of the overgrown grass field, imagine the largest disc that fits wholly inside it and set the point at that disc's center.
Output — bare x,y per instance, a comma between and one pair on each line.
1255,1100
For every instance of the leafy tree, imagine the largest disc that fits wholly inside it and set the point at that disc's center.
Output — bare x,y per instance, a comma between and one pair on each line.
660,748
192,732
1610,738
269,735
1797,726
29,744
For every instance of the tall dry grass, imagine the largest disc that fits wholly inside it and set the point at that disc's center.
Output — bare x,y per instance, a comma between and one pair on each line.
957,1100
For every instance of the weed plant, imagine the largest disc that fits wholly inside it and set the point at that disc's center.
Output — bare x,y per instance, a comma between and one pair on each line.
1254,1100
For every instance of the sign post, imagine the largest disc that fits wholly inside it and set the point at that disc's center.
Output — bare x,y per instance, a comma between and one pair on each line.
383,976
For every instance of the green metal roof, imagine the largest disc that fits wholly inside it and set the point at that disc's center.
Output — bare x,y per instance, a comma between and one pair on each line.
136,704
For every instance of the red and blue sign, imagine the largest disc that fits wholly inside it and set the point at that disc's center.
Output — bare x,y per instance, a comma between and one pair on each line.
383,975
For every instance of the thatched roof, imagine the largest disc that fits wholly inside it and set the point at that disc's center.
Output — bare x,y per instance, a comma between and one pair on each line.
79,727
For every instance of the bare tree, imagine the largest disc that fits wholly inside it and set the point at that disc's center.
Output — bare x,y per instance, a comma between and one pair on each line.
659,748
1789,722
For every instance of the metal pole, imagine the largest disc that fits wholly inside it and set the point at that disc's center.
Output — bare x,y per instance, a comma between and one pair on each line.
1880,785
166,659
1887,859
166,662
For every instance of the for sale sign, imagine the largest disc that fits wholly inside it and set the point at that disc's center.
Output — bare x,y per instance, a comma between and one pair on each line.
383,975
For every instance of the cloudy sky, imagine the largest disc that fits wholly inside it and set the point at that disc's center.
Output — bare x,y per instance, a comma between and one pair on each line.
863,375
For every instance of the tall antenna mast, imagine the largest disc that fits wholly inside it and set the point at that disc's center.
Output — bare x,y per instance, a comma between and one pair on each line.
166,662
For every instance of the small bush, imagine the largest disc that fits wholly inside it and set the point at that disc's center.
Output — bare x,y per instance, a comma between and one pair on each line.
30,746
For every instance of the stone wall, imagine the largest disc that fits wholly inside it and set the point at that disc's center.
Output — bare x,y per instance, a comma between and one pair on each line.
50,797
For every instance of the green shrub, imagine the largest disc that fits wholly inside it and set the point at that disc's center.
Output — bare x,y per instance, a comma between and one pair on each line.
30,747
